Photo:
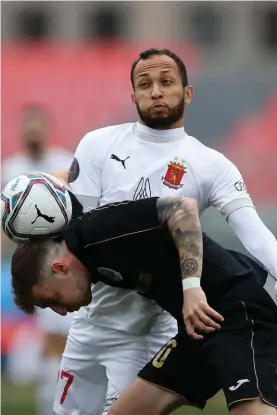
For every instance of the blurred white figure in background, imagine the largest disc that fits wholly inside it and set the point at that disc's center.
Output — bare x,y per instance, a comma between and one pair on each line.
54,329
42,363
35,356
36,153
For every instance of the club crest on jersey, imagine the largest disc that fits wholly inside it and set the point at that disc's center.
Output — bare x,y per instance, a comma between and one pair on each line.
174,174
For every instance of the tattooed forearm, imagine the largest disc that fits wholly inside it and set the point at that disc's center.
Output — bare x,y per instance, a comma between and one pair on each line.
187,242
190,266
181,216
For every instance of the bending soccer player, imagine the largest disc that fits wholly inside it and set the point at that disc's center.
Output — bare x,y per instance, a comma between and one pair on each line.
133,245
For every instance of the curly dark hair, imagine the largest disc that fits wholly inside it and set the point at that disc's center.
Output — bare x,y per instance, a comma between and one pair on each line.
147,54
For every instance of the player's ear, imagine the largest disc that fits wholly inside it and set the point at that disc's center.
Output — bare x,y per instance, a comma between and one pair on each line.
133,97
189,92
58,267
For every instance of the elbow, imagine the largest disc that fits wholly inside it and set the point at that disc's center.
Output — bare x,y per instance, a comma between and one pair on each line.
188,203
169,207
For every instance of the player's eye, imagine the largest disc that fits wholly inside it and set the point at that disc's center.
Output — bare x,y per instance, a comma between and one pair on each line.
144,84
166,82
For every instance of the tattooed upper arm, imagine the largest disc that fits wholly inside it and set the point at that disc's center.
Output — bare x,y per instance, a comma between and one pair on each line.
181,216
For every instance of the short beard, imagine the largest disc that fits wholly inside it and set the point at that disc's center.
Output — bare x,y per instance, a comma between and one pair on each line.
163,123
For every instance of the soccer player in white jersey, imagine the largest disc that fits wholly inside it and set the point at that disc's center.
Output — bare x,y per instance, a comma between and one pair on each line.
107,343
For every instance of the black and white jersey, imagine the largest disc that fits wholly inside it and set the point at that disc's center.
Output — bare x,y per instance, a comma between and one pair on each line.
124,245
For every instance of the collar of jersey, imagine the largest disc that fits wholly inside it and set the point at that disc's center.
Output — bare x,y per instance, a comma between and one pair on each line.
159,136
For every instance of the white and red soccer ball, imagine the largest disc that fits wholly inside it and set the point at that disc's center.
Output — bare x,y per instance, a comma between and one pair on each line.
34,204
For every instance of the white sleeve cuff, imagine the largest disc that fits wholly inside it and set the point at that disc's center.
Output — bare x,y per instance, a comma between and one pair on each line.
256,238
235,205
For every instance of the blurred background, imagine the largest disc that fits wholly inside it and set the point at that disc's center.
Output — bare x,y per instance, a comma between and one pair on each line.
66,71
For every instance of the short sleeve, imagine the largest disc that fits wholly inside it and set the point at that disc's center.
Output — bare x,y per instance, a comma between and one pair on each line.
85,171
228,191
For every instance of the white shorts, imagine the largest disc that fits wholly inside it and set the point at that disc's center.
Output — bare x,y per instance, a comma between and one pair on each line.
99,364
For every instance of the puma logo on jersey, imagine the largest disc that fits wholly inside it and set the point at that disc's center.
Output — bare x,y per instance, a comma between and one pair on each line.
50,219
114,157
239,383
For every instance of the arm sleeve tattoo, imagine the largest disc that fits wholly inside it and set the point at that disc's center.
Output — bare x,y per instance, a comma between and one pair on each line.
181,216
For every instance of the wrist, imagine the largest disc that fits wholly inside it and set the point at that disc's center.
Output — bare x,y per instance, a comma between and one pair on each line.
192,282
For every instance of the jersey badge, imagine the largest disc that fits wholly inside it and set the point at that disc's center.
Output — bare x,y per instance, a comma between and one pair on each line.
174,174
74,171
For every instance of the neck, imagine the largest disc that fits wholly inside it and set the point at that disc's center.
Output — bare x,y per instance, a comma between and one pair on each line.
159,136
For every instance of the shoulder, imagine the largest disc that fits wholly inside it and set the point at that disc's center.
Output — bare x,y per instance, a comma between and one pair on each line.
60,151
11,161
121,219
208,157
12,167
96,137
60,154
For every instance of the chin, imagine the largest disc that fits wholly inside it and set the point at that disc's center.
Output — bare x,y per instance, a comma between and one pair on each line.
159,114
160,117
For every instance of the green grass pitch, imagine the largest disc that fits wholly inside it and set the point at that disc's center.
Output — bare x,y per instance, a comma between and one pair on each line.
20,400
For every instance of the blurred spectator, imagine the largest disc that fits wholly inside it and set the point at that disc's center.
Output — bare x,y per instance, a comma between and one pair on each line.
34,130
47,348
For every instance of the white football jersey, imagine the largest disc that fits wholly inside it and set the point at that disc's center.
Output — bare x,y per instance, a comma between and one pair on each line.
132,161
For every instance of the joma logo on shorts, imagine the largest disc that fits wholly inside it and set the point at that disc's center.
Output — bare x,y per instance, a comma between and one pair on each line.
239,383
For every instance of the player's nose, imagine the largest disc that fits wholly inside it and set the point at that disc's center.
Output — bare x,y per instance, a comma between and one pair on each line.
59,310
156,92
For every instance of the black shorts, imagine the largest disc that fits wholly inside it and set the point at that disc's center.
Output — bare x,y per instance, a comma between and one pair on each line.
240,358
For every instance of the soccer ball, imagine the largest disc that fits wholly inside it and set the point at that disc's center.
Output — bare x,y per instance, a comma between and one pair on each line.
34,204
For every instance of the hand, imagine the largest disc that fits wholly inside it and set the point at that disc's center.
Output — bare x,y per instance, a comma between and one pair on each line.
198,314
